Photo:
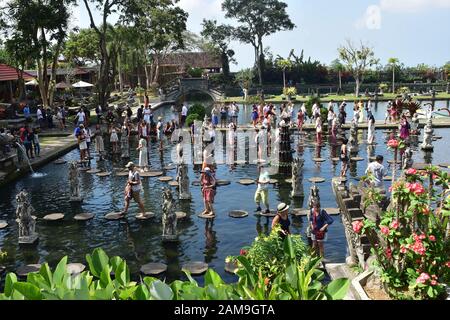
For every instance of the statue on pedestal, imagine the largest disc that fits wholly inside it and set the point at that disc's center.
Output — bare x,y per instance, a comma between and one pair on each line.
297,178
427,143
24,213
124,141
183,182
407,159
74,181
169,218
353,140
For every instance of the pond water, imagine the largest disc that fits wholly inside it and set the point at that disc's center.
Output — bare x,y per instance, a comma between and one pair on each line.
140,242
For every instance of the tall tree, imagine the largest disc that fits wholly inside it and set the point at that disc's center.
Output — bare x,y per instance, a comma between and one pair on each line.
393,63
82,47
257,19
358,60
284,64
220,38
338,67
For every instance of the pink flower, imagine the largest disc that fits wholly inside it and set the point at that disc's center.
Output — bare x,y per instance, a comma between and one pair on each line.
357,226
447,264
390,189
433,282
426,211
422,236
403,249
384,230
393,143
243,252
418,189
432,238
424,277
394,224
418,248
388,252
411,171
435,176
433,277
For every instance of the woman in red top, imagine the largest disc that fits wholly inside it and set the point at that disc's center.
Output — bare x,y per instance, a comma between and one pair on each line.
208,183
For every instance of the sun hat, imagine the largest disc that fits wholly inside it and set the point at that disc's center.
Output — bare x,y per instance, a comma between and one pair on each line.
81,125
129,165
282,207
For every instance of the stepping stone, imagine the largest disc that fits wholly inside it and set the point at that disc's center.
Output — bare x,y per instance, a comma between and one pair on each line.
84,169
54,217
387,178
273,181
238,214
196,267
444,165
335,159
34,217
170,167
316,180
319,159
356,159
288,181
75,268
196,183
60,161
247,182
372,159
84,216
333,211
3,224
240,162
392,162
151,174
437,137
173,183
180,215
146,216
202,216
23,271
223,182
103,174
420,166
165,179
153,269
122,174
114,216
267,215
94,171
298,212
231,267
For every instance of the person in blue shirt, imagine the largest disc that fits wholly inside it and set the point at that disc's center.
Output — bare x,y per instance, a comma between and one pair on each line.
319,221
27,112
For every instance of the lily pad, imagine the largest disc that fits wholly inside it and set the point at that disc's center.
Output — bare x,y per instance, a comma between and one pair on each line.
196,267
151,269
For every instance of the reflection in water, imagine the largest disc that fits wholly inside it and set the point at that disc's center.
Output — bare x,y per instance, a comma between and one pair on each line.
211,241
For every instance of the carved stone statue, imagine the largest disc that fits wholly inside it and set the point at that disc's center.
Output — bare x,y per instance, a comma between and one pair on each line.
407,159
25,218
297,178
353,140
125,145
169,218
314,196
428,136
74,181
183,182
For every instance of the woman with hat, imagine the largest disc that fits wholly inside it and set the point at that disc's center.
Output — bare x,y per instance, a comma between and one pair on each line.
208,183
133,189
282,218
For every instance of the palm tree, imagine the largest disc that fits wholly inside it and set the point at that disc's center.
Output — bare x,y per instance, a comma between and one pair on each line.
284,64
393,62
338,67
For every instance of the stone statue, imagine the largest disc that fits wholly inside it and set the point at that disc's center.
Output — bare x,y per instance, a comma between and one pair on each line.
314,196
415,124
428,135
74,181
125,145
24,212
407,159
297,178
353,140
183,182
169,219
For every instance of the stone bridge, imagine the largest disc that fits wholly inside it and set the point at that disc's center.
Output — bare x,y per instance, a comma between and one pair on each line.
179,88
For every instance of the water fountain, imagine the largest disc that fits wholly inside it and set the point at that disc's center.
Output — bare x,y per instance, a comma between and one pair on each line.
183,182
169,218
74,181
353,141
24,153
297,178
24,213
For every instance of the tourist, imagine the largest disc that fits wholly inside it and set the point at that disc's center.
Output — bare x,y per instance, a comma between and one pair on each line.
49,115
262,192
147,113
290,112
232,134
300,119
334,124
330,116
129,113
110,118
236,112
27,113
36,143
184,112
304,111
99,144
143,154
356,113
80,133
387,116
114,139
344,158
371,129
88,141
369,108
223,116
28,143
159,132
259,142
315,111
63,116
98,112
361,111
318,123
133,189
208,183
59,117
404,128
319,221
232,111
81,117
282,218
215,116
377,172
255,116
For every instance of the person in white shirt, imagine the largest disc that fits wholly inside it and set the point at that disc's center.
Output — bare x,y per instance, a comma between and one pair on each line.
88,140
262,192
184,112
147,113
40,116
133,189
377,172
81,117
159,132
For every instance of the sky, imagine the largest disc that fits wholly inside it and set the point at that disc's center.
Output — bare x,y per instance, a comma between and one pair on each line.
414,31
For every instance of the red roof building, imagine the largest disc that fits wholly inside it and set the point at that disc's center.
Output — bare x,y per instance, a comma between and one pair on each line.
8,73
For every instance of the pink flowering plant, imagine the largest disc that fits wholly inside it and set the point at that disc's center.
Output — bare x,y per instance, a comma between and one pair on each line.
411,240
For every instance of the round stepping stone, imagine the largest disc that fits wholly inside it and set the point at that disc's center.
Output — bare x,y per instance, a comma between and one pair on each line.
356,159
114,216
267,215
444,165
392,162
3,224
247,182
170,167
196,183
165,179
75,268
238,214
223,182
151,174
299,212
387,131
316,180
146,216
180,215
273,181
103,174
84,169
372,159
94,171
173,183
319,159
231,267
240,162
196,267
288,181
154,268
54,217
203,216
60,161
23,271
84,216
333,211
420,166
335,159
437,137
387,178
122,174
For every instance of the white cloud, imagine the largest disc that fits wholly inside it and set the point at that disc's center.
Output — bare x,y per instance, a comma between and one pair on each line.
371,19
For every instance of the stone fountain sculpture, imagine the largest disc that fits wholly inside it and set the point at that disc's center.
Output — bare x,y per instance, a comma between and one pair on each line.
314,196
427,143
169,218
353,140
27,224
183,182
297,178
74,181
125,146
407,159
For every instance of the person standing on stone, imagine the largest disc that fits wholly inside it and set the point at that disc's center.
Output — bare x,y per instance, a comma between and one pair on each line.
88,141
262,192
377,172
147,112
318,129
300,119
81,117
82,144
330,116
344,158
40,117
28,143
404,128
319,221
36,143
208,183
143,154
371,129
223,116
282,218
114,139
159,132
361,111
133,189
255,116
184,112
98,112
215,116
99,144
342,113
387,115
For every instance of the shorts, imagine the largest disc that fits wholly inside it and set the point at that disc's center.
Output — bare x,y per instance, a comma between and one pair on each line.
83,145
262,195
313,237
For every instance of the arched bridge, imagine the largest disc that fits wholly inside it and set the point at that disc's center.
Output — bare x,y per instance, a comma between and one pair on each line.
184,86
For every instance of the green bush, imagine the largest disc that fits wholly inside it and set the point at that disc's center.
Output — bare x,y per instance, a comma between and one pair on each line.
191,118
309,104
195,72
198,109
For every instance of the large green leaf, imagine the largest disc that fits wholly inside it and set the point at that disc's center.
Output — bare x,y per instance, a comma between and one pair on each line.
337,288
105,276
122,274
291,275
250,273
29,291
97,261
115,262
289,247
46,273
141,293
160,291
38,280
59,273
11,278
213,278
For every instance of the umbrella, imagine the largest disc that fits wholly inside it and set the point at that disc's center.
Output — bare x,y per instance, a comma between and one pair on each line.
62,85
82,84
32,83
